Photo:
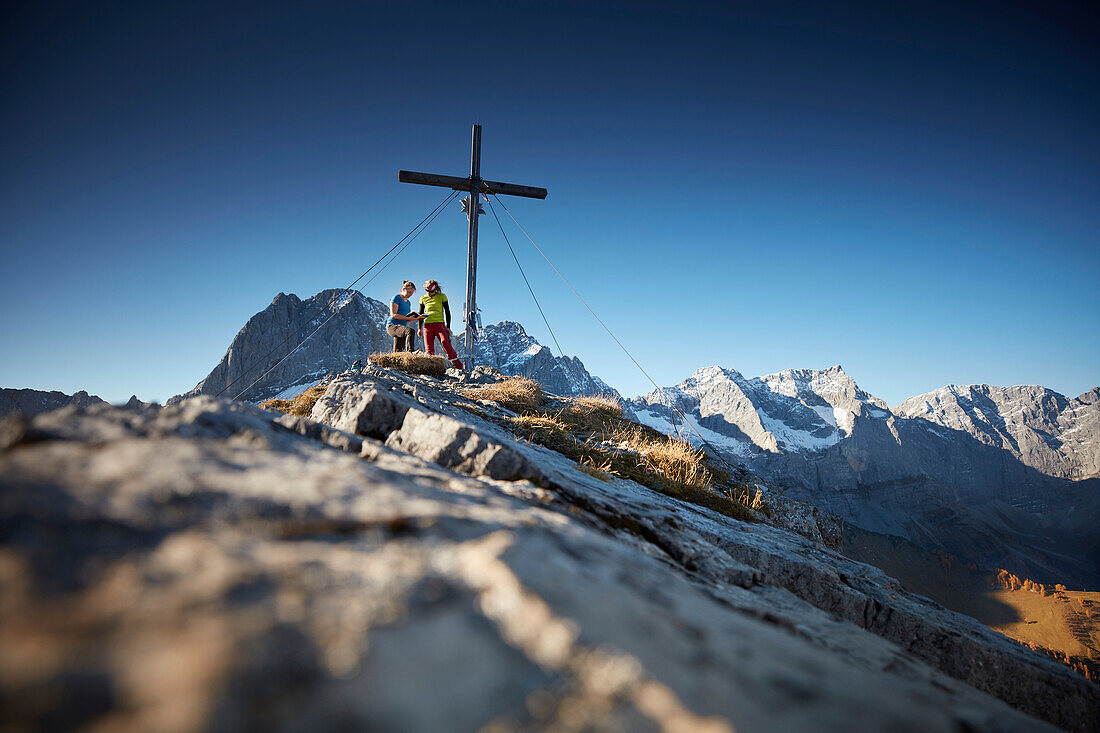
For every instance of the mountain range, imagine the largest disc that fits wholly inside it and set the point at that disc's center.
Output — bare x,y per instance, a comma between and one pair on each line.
998,476
36,401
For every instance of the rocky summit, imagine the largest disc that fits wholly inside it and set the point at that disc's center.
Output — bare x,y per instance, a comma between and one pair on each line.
401,561
262,361
1003,477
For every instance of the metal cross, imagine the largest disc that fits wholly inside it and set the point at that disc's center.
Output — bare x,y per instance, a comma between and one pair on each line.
476,185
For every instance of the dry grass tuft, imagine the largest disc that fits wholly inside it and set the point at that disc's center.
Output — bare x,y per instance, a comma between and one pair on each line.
681,463
593,432
593,471
604,405
412,362
518,394
302,405
549,431
593,414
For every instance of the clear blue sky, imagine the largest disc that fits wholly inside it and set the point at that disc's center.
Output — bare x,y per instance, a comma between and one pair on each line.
909,190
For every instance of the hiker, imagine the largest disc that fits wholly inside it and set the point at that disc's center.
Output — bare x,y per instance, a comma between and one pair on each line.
433,305
403,322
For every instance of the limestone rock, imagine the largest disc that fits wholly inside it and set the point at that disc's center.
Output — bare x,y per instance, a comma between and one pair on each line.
374,411
447,442
212,566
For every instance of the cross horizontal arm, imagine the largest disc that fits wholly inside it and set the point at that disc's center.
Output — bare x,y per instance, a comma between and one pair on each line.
513,189
465,184
432,179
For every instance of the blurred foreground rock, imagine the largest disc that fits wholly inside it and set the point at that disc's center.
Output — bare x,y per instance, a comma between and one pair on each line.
211,566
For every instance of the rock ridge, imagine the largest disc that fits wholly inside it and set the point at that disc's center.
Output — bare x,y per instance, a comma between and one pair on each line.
35,402
301,570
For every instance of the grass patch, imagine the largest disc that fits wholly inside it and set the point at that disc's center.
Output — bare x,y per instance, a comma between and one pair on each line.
593,432
594,472
593,414
518,394
302,405
412,362
680,462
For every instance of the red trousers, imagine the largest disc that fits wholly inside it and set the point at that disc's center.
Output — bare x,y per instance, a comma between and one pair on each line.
434,330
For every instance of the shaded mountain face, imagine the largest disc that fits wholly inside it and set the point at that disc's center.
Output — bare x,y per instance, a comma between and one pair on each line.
981,472
1040,427
353,330
35,402
356,329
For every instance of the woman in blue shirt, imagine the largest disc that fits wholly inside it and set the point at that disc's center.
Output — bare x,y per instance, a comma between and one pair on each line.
402,323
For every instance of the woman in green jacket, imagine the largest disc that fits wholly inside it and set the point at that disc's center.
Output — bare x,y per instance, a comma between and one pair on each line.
437,321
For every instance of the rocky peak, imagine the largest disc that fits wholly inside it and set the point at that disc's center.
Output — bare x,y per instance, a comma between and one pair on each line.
508,347
1038,426
351,326
799,410
830,386
356,329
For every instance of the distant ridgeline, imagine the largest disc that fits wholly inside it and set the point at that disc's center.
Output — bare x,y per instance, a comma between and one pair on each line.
36,402
357,329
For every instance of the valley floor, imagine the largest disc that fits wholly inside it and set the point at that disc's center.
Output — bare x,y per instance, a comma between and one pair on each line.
1065,624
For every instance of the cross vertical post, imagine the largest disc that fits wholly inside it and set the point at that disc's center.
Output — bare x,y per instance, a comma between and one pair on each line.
470,316
476,185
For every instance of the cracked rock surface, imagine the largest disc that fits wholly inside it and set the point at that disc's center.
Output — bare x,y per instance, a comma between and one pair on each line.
211,566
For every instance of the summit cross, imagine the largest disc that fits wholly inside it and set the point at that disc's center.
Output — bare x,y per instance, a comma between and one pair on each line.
477,186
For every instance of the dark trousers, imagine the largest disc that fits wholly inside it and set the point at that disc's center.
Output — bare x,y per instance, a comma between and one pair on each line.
404,338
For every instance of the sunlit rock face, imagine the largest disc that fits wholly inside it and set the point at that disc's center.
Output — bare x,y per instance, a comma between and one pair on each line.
400,563
998,476
795,411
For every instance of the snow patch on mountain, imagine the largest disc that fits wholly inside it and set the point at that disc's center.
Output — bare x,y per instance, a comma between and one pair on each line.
508,347
798,410
694,433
